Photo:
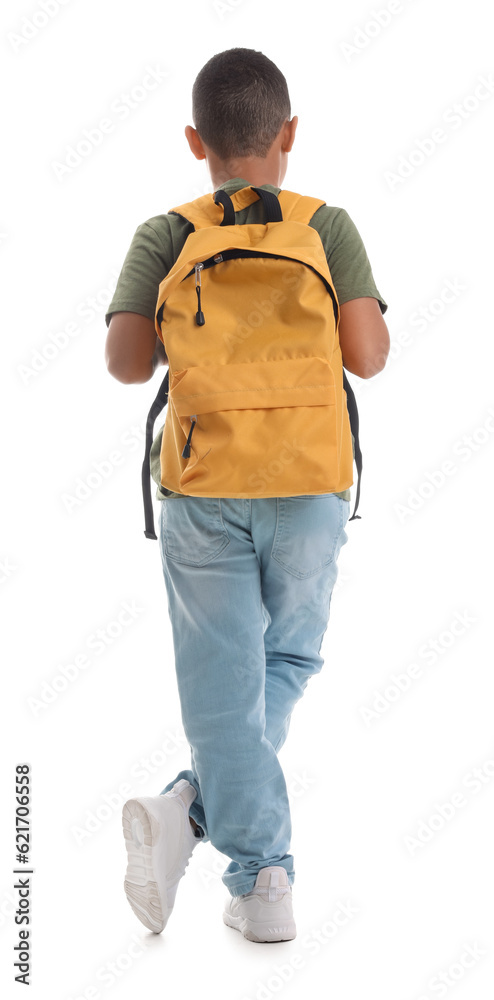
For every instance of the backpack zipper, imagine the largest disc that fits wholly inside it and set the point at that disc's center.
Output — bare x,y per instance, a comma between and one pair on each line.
186,451
199,314
232,255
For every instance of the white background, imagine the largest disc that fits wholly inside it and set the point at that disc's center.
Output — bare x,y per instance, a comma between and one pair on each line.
405,575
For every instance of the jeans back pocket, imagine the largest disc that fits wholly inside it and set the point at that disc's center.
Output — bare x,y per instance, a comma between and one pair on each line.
192,530
308,529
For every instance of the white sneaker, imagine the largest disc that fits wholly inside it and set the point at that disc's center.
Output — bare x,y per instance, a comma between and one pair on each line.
265,913
159,839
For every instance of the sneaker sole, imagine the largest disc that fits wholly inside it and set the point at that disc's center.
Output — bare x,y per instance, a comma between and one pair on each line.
262,932
141,831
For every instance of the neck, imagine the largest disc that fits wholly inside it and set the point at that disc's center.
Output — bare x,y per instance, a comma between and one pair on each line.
255,170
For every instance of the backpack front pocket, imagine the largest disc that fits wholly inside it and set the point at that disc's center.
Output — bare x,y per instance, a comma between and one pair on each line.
262,428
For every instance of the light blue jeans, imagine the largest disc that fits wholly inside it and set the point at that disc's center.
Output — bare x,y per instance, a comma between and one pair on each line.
249,586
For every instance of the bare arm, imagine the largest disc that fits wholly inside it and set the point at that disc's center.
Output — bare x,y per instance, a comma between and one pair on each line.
133,351
364,337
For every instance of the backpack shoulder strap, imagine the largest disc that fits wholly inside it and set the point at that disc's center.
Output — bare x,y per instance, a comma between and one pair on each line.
201,213
297,207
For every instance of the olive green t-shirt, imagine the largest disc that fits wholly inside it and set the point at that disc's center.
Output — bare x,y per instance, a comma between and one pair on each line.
158,241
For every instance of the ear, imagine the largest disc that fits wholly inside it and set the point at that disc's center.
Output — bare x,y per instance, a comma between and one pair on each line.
195,143
290,128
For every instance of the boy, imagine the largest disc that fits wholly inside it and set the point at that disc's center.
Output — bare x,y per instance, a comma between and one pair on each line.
249,582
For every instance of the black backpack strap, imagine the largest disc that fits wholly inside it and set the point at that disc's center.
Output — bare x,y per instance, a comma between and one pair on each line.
354,424
222,198
270,201
271,204
159,403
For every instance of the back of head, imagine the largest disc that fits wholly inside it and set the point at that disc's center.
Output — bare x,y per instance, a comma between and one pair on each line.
239,103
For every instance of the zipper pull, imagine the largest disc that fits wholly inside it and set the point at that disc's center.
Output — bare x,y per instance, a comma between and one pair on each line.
199,314
186,451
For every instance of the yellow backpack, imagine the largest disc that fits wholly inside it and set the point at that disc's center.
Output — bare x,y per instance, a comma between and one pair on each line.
258,402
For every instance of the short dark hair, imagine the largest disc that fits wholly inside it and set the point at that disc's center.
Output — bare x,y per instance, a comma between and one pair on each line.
239,103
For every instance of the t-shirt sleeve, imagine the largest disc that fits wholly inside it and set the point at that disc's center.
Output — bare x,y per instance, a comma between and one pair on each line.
347,258
146,264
